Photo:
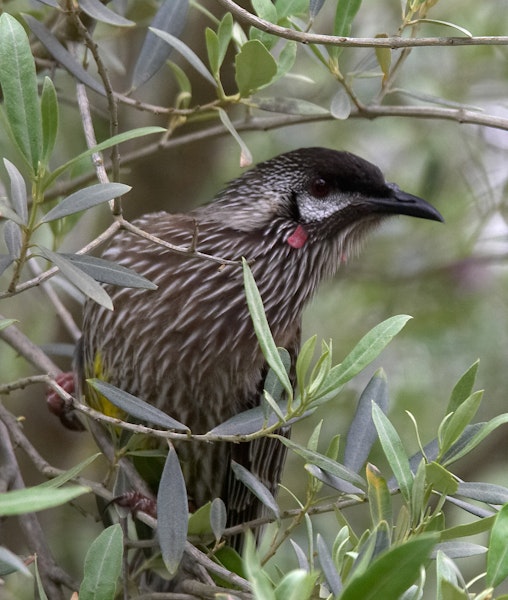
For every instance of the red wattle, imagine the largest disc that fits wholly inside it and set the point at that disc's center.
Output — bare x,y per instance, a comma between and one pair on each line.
298,238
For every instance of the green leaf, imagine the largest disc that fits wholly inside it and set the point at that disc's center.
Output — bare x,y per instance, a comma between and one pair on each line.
18,502
135,406
380,501
86,198
470,529
367,349
112,141
261,586
103,565
199,521
394,451
218,517
262,329
224,34
441,479
447,576
453,428
340,105
392,572
255,67
190,56
171,18
172,513
484,492
70,474
184,84
323,462
371,545
304,360
313,442
296,585
362,433
419,493
19,87
273,386
212,48
449,591
463,30
49,115
259,490
40,590
497,557
251,420
463,388
384,57
13,239
286,59
327,565
289,106
11,563
106,271
479,431
6,212
62,55
77,277
285,8
320,371
265,10
344,16
459,549
99,12
245,154
18,195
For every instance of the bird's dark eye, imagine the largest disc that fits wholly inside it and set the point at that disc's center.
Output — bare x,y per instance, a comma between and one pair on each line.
319,187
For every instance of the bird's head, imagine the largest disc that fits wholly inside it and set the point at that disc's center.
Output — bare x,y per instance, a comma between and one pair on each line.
315,194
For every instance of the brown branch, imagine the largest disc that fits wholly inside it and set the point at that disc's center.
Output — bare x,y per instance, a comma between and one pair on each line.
30,351
110,96
331,40
51,574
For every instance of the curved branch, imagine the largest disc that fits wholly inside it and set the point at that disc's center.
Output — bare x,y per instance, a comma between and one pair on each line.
459,115
331,40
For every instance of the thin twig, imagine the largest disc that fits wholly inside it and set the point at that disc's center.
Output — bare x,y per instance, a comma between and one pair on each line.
184,251
91,140
116,206
30,351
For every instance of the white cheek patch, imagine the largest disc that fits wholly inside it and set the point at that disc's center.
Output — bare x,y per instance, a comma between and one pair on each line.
318,209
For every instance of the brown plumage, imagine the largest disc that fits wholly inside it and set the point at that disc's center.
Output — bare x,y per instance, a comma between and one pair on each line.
189,347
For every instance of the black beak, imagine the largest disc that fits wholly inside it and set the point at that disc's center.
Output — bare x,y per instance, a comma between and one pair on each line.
402,203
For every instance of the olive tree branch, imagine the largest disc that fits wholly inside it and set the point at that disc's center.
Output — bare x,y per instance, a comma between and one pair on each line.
262,123
52,575
389,42
84,106
39,462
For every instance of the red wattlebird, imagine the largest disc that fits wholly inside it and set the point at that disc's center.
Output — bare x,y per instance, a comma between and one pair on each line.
189,347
